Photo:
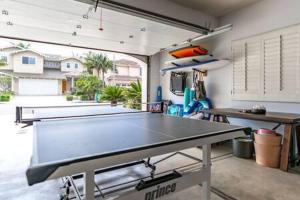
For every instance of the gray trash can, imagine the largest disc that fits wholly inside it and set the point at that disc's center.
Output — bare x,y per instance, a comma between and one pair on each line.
243,147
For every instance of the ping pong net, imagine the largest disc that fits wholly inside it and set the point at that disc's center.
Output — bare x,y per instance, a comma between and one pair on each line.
29,114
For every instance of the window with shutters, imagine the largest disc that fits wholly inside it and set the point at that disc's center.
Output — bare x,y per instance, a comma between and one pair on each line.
239,74
289,62
246,69
271,52
253,52
267,67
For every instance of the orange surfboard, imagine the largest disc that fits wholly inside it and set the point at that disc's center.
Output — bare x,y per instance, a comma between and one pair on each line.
188,52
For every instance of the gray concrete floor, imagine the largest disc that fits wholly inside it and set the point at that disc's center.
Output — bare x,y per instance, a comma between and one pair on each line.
239,178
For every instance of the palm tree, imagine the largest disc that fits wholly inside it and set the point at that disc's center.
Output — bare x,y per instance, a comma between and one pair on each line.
135,91
89,63
134,95
2,63
23,45
101,63
112,94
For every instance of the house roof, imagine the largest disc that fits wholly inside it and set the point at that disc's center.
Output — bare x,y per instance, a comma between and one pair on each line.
126,63
124,77
28,50
73,74
10,47
49,57
7,74
47,74
71,58
52,57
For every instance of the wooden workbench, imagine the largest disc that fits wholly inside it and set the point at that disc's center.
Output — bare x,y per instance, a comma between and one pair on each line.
290,122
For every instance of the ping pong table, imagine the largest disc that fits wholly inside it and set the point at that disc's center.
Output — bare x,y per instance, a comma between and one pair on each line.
88,145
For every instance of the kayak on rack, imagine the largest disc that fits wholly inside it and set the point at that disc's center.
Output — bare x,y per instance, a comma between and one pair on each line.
189,60
188,52
206,65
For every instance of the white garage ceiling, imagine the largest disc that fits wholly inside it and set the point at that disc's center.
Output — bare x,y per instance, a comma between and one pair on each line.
215,7
63,22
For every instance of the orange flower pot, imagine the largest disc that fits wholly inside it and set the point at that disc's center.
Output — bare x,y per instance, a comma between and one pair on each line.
268,139
267,155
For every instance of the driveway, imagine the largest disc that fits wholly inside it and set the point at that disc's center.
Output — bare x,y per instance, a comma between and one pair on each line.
8,108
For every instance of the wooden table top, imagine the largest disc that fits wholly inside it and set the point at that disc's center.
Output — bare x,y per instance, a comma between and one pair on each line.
277,117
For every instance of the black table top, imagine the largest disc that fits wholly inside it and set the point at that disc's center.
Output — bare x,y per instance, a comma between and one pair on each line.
62,140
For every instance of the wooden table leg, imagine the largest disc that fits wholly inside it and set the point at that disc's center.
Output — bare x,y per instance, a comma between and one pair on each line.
298,140
284,161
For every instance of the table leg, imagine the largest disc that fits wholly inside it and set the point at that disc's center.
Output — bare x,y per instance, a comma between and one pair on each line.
284,161
206,152
298,141
89,185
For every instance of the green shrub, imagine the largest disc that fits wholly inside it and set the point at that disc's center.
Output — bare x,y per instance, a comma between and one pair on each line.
88,85
113,94
84,98
78,93
4,97
133,95
69,98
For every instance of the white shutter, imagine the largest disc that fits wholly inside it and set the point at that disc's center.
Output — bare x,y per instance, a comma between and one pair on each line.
253,51
239,74
267,67
271,46
289,62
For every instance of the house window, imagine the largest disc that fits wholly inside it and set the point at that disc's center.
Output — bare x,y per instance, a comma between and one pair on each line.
3,59
76,65
28,60
68,65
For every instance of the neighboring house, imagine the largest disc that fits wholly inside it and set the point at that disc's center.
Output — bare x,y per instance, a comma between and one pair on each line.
127,71
40,74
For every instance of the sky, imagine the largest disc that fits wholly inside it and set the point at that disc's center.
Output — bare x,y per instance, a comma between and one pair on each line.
66,51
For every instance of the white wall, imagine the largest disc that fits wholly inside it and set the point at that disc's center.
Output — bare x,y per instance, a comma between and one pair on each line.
174,10
72,68
257,18
124,70
164,80
154,75
171,9
134,71
36,68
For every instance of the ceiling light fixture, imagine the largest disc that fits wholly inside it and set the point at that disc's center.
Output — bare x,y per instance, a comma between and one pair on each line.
86,15
9,23
4,12
78,26
122,42
131,36
101,16
143,29
74,33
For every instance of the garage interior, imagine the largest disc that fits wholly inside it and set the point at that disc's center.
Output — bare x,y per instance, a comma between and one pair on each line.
251,64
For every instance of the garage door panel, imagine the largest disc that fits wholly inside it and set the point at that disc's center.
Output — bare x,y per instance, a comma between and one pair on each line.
38,87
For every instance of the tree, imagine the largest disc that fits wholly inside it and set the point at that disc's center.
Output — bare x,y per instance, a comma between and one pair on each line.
5,83
113,94
88,85
2,63
101,63
134,95
23,45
